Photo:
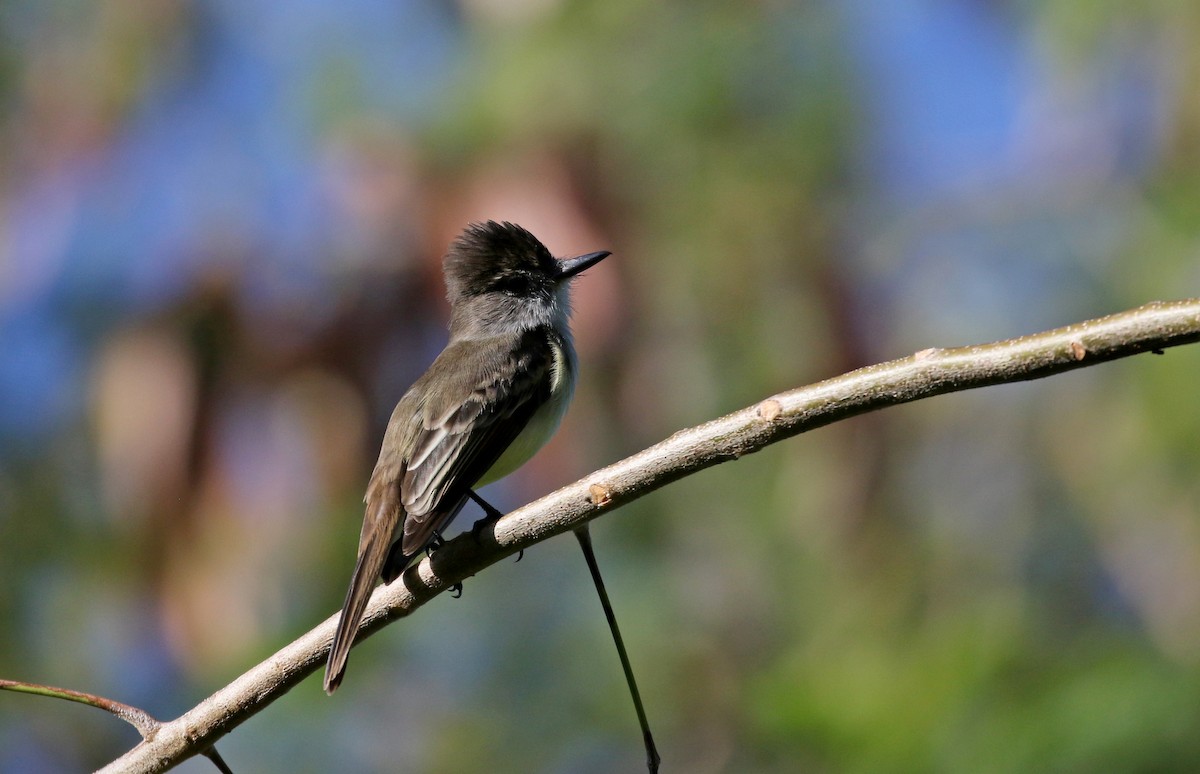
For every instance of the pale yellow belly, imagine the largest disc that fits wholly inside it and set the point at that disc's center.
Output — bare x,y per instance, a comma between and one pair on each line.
542,424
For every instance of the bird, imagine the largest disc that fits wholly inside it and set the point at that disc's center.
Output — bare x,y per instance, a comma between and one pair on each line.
486,404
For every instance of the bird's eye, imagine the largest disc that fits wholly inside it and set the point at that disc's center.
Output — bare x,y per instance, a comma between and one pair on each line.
511,284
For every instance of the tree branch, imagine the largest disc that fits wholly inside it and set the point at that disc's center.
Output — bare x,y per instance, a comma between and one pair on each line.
1152,327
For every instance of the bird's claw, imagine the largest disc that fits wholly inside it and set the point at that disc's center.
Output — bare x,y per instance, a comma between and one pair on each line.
434,544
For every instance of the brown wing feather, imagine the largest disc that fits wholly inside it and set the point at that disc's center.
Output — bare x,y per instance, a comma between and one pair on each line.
463,441
453,443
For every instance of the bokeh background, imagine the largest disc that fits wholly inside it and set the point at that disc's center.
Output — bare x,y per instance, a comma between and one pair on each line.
220,232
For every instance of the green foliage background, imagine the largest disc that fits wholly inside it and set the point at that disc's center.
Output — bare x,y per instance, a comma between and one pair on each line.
1001,581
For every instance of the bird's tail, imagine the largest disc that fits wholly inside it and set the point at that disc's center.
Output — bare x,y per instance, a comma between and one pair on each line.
371,557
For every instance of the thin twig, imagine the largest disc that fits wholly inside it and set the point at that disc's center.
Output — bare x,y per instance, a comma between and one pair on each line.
145,724
589,555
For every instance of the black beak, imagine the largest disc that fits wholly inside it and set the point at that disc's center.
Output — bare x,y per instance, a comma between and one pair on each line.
569,267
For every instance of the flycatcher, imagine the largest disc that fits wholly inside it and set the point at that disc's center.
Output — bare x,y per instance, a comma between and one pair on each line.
490,400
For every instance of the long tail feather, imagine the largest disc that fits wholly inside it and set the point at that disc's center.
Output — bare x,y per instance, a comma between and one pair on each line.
382,516
366,572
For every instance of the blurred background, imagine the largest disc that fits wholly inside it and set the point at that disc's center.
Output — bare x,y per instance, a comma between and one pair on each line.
221,226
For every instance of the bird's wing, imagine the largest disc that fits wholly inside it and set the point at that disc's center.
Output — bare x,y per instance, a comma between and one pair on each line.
465,429
460,418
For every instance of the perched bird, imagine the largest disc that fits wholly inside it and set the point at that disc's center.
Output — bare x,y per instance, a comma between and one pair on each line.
489,401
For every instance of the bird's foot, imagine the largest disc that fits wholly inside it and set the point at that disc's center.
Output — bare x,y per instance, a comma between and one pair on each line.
434,544
437,542
491,515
